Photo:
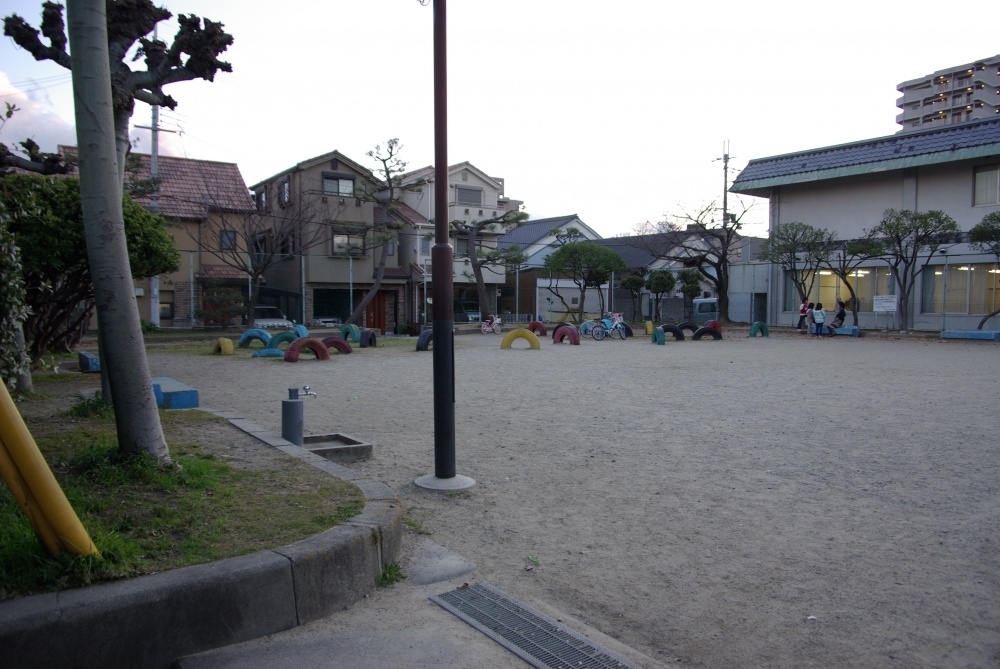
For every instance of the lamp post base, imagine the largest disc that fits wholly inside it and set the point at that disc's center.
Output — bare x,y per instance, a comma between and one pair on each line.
432,482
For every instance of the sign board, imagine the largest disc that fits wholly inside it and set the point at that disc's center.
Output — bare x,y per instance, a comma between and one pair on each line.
884,304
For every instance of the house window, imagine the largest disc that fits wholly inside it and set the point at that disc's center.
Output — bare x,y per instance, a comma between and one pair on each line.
392,247
462,246
227,240
425,246
284,193
987,184
166,311
468,196
286,245
261,197
260,247
338,186
345,244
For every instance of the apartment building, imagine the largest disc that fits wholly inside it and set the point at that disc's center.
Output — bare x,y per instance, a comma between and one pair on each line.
969,92
473,195
325,216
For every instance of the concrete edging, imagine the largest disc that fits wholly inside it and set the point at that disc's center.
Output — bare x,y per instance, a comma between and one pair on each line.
153,621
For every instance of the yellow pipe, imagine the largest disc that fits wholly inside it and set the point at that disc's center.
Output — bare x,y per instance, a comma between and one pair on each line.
26,462
18,486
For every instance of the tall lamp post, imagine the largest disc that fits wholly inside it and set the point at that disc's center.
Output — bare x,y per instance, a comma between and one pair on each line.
944,294
442,262
424,295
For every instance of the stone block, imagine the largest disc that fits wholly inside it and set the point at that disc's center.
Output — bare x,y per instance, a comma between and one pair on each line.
171,394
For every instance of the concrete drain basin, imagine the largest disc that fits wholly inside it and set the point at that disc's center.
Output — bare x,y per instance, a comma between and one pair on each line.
337,447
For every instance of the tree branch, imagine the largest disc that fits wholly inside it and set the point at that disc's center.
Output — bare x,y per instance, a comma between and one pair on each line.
53,28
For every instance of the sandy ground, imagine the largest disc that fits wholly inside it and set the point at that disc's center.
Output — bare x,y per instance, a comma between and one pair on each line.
783,502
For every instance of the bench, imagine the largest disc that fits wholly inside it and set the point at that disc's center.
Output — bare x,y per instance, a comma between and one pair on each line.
849,330
88,362
171,394
990,335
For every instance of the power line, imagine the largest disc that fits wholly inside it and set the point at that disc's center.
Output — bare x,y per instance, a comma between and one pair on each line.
37,83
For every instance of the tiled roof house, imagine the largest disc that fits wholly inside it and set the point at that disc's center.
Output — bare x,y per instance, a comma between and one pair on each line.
847,188
195,196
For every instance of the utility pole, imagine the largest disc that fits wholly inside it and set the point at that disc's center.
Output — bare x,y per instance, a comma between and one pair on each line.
154,172
725,182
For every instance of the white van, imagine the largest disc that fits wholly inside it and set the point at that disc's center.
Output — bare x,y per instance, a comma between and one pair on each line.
268,317
706,309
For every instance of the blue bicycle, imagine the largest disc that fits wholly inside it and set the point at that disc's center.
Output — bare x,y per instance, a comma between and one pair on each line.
613,325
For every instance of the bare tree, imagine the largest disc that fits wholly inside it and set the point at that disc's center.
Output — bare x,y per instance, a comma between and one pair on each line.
192,55
252,241
386,226
696,240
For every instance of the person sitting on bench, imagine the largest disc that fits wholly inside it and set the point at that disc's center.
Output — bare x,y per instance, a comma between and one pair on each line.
840,317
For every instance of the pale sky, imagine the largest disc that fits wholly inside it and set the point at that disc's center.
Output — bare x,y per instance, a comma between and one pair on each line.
617,111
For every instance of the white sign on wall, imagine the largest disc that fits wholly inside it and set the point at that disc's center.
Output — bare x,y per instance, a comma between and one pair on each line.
884,304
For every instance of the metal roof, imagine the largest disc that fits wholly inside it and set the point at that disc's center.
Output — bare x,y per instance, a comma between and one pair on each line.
942,145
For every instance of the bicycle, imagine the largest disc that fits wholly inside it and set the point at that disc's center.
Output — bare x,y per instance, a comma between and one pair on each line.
493,324
613,325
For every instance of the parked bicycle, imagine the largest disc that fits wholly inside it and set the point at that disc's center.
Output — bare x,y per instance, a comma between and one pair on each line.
613,325
492,324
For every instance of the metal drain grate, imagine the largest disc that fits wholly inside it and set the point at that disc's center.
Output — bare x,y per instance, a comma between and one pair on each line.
538,639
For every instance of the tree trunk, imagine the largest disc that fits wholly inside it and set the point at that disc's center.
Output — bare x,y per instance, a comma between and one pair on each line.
136,417
24,381
986,318
485,311
854,301
376,285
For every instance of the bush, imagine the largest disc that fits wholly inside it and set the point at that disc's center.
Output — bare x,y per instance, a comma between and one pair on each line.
221,305
149,328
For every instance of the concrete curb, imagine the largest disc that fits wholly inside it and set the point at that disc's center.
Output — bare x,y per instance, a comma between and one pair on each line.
153,621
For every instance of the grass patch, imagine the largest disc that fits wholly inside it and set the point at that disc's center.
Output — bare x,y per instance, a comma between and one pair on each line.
390,576
230,495
414,523
94,405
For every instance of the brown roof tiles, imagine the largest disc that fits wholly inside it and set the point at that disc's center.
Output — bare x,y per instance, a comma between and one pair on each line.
190,188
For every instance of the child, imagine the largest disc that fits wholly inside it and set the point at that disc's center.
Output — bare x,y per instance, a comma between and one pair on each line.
819,318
